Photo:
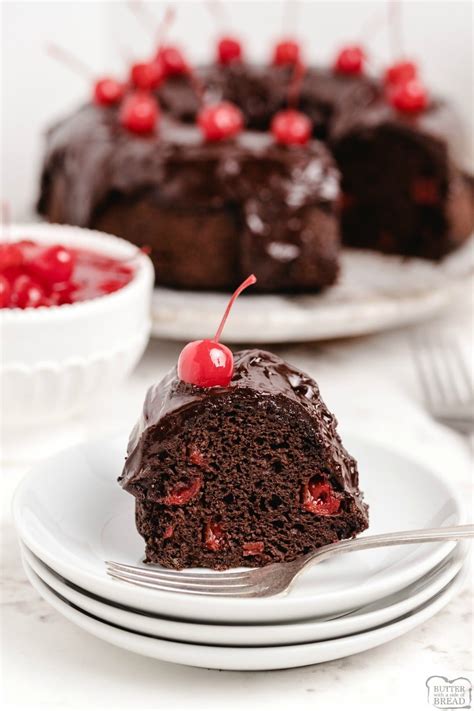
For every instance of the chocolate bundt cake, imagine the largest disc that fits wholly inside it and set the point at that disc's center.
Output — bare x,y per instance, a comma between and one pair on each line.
241,475
212,210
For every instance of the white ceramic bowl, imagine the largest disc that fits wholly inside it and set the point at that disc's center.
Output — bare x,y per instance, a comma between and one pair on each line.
54,360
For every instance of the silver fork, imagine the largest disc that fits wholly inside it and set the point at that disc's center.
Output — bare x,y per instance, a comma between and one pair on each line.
272,579
447,385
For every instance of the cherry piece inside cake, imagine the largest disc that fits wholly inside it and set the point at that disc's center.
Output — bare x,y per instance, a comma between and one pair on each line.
244,474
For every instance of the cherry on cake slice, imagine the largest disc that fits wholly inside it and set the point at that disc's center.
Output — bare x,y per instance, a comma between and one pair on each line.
236,461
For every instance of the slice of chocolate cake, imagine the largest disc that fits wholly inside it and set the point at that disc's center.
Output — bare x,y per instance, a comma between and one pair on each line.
245,474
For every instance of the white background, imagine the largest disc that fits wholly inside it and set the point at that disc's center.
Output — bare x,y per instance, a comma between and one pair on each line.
36,90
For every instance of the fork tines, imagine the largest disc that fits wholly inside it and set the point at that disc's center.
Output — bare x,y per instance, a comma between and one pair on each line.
177,581
445,379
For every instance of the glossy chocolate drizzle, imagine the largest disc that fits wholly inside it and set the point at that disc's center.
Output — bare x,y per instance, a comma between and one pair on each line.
97,157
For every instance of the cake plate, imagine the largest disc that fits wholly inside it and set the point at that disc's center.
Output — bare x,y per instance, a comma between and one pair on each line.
375,292
100,526
245,658
313,629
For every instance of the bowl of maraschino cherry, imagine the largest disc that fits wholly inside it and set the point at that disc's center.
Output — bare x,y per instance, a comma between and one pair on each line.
74,319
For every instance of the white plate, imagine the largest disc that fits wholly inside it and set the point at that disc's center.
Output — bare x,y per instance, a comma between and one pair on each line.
374,292
73,515
362,619
245,658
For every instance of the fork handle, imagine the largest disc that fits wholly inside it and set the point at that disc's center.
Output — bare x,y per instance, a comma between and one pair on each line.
424,535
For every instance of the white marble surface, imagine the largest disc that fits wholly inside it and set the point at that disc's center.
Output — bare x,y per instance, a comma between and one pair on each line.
371,384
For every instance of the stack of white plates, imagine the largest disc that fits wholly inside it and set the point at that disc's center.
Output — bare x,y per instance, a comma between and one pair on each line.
72,516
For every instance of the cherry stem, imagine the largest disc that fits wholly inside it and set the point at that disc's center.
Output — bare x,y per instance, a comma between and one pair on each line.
143,14
248,282
294,90
64,56
6,219
165,24
218,12
395,27
148,20
373,23
290,17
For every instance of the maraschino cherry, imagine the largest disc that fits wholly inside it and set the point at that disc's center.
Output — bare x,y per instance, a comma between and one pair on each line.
27,293
139,113
220,121
208,363
400,72
319,498
172,61
409,97
33,275
168,58
106,91
350,60
54,265
146,75
291,127
5,292
229,50
11,256
286,52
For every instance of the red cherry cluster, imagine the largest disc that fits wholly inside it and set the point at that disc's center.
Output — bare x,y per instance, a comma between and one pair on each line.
139,112
208,363
32,277
404,89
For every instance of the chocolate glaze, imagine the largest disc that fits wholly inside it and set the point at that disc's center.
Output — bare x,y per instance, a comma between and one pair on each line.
212,212
97,157
260,91
257,374
246,204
